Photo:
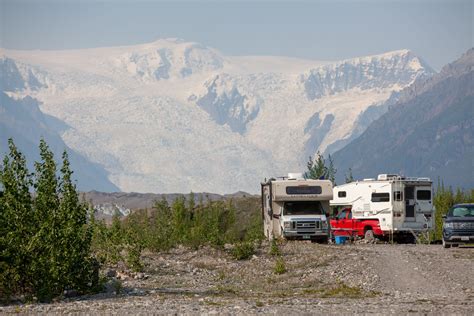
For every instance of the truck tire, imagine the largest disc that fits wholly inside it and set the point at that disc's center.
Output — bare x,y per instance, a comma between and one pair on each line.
369,236
445,245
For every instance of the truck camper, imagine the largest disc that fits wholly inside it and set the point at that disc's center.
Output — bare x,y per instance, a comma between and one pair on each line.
296,208
389,206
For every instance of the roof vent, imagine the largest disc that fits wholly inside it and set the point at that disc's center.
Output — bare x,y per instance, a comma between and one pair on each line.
295,176
385,176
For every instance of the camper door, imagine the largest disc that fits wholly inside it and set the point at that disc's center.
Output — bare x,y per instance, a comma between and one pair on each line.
423,199
409,203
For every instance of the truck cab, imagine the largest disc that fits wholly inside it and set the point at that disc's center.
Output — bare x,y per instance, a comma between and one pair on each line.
343,224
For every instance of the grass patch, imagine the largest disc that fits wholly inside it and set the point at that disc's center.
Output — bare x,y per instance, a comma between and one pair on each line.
280,266
313,291
259,304
274,249
221,275
225,290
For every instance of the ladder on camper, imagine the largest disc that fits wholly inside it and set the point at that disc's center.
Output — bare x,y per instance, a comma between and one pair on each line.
398,201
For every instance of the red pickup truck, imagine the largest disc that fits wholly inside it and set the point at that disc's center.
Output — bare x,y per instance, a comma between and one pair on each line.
345,225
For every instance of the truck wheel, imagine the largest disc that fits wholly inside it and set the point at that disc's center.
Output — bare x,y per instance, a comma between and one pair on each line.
445,245
369,236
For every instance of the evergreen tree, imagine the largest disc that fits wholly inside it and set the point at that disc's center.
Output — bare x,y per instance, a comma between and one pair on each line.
349,177
331,171
316,167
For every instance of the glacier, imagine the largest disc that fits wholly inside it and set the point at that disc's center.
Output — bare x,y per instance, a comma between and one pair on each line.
175,116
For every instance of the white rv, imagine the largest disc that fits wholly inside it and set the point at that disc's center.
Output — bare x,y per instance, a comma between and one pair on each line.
391,205
296,208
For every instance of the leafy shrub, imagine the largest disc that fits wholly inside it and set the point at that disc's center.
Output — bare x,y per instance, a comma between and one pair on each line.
133,257
274,249
243,250
280,266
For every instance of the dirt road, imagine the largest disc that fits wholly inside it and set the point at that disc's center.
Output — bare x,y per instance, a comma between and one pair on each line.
320,279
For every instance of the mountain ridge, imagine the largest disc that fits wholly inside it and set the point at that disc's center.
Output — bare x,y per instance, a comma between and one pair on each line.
433,135
174,116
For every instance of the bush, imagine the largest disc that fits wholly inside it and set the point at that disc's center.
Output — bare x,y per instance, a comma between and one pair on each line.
274,249
243,250
280,266
133,261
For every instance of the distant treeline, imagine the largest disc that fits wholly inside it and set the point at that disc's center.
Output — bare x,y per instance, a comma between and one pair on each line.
184,222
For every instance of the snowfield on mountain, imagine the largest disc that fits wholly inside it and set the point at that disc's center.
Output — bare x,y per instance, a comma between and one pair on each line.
175,116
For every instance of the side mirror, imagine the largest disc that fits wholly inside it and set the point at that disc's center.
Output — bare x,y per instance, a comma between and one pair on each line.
276,216
444,216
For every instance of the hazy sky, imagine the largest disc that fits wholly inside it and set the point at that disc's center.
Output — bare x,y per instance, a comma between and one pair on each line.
438,31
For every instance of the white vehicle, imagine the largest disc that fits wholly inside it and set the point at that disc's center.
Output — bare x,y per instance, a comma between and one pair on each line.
389,206
296,208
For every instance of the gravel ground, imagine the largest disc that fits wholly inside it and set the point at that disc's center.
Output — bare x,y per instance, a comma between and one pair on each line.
320,279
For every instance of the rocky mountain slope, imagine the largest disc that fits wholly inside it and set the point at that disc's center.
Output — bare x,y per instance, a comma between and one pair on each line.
22,120
428,132
175,116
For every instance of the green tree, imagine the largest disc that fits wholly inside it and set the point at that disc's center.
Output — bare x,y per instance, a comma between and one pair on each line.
316,167
331,171
181,220
349,177
47,240
78,266
17,224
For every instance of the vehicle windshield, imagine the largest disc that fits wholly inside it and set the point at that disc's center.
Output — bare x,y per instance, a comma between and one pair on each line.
461,211
303,208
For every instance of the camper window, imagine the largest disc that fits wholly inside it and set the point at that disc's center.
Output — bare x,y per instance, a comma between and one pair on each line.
304,190
342,215
303,208
341,194
398,196
423,195
380,197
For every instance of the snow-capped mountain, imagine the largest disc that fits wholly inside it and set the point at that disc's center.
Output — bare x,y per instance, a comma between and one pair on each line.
22,120
433,135
175,116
